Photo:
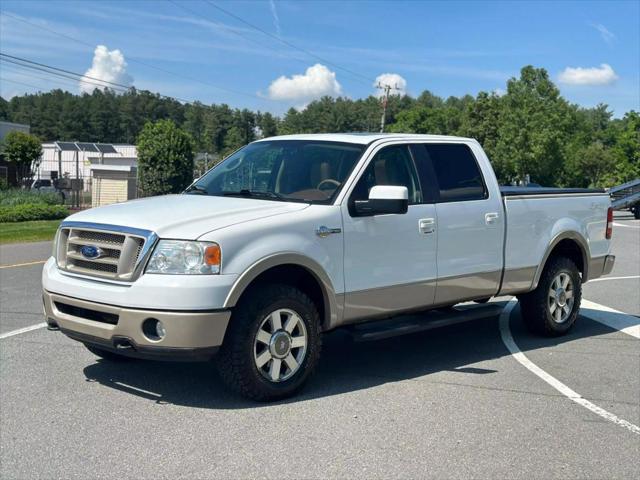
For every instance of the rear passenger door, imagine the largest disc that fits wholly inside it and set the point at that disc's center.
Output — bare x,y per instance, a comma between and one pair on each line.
469,222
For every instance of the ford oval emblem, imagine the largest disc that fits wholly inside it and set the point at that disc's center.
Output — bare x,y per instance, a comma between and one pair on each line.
91,252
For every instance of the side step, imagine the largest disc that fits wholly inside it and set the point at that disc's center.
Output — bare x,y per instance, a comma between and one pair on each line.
403,325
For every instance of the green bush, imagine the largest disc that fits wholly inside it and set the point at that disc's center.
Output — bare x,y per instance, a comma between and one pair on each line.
15,196
165,158
31,211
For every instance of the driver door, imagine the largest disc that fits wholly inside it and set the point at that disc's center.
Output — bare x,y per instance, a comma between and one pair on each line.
390,260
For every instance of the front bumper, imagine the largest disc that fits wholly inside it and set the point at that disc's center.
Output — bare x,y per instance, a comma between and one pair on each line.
189,335
149,292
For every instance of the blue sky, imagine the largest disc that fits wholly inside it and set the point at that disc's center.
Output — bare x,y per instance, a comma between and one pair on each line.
449,48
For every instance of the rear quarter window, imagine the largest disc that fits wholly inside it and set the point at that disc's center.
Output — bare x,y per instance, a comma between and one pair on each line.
457,173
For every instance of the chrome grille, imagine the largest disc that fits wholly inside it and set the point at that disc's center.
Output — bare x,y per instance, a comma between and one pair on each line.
122,252
102,237
99,267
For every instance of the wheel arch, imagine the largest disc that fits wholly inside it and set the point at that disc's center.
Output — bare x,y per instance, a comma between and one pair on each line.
569,244
304,273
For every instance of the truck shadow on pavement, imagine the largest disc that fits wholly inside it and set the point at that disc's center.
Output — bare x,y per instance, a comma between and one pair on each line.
344,367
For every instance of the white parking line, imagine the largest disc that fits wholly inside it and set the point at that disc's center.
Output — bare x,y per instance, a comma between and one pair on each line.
611,318
22,330
616,224
507,339
603,279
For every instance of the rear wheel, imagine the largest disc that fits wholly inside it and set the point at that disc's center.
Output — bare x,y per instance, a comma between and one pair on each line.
552,308
272,344
636,212
107,355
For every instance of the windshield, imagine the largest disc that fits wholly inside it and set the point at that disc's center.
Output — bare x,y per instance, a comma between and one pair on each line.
290,170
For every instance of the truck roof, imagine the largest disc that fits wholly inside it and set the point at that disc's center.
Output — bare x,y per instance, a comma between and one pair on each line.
364,138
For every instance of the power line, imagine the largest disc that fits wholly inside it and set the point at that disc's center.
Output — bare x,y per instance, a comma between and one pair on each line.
135,60
7,56
289,44
62,75
24,63
73,75
61,81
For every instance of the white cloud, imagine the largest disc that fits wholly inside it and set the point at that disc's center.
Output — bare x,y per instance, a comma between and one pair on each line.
276,18
398,84
107,65
602,75
606,35
316,82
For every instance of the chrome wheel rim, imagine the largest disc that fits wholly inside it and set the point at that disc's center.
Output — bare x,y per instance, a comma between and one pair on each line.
561,298
280,345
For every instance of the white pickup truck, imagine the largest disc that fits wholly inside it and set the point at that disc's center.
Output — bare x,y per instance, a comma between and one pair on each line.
294,236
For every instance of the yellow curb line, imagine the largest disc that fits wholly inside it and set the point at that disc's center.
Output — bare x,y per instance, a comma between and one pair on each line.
23,264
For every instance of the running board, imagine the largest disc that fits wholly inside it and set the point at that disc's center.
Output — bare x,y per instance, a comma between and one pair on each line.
404,325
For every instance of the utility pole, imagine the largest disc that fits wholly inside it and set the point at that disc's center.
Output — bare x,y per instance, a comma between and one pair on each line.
385,99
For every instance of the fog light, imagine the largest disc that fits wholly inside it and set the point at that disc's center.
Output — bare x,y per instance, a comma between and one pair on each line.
160,331
153,329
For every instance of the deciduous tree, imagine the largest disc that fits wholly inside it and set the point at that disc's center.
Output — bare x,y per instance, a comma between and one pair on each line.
165,158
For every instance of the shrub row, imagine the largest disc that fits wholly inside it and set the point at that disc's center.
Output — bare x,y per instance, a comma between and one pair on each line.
32,211
21,197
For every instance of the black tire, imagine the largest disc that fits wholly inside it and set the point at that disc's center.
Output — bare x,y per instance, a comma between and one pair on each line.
535,306
107,355
636,212
236,361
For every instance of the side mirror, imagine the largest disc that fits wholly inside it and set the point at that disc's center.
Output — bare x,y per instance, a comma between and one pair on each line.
384,199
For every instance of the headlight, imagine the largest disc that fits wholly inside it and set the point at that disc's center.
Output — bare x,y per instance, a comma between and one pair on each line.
178,257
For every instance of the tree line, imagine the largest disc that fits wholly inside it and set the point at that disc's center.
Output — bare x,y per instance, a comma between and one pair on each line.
529,132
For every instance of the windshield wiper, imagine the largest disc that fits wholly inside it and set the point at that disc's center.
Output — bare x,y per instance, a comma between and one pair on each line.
197,189
253,193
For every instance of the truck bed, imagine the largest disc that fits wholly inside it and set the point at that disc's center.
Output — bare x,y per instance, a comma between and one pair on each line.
532,191
535,217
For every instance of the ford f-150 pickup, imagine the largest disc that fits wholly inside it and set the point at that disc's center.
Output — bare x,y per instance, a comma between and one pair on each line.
291,237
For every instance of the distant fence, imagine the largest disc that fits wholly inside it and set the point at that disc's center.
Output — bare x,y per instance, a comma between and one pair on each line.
85,186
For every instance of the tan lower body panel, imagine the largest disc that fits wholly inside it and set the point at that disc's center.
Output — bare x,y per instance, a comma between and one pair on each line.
517,280
183,329
467,287
384,301
600,266
388,301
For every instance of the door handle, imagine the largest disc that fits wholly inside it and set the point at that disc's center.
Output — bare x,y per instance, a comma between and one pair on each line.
491,218
324,232
427,225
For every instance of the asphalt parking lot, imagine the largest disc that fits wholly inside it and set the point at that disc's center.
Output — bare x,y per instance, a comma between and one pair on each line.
454,402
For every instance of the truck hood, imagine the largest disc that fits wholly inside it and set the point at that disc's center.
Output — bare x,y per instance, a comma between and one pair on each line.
185,217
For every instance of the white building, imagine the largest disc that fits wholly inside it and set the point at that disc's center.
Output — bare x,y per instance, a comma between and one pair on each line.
92,174
76,159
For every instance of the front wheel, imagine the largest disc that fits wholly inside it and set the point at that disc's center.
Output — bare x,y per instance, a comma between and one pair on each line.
552,308
272,344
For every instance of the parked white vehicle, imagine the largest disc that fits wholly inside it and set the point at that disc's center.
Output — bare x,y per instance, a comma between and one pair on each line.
293,236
